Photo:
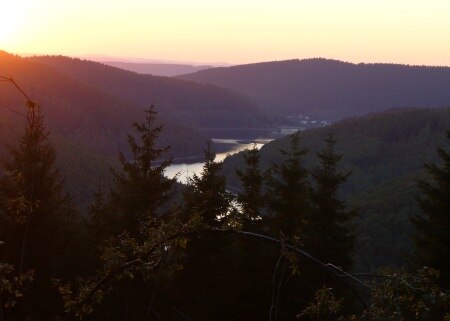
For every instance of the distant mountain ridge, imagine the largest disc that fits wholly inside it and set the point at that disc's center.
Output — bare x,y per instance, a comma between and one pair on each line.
332,89
195,105
156,69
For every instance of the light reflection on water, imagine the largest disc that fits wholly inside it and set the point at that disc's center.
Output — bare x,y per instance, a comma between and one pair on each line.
185,170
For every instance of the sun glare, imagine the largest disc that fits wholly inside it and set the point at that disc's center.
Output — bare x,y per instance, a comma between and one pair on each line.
11,19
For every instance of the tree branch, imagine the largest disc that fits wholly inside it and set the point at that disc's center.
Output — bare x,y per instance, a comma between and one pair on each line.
110,275
12,81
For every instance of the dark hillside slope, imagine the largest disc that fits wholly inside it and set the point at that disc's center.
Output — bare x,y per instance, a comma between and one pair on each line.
332,89
83,113
385,152
193,104
88,126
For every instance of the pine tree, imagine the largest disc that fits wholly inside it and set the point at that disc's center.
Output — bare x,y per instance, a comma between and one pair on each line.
34,201
329,232
289,191
252,262
199,287
38,217
252,181
206,194
140,190
289,204
138,202
432,240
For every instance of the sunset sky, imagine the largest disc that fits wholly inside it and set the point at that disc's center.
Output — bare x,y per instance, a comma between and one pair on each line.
232,31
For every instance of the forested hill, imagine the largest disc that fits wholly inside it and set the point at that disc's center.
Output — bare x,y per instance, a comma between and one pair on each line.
332,89
157,69
196,105
82,113
385,152
89,126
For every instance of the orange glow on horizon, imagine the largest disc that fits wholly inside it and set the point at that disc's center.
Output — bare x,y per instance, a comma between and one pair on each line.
412,32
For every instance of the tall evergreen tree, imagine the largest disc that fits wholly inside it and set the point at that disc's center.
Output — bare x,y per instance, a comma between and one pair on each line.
329,232
38,218
34,201
140,190
206,194
251,197
253,261
201,285
289,191
432,240
138,202
288,196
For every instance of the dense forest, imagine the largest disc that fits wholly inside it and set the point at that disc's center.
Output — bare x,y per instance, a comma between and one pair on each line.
330,89
285,246
385,153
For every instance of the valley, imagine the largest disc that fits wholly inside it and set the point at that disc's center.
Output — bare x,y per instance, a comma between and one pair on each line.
124,165
224,160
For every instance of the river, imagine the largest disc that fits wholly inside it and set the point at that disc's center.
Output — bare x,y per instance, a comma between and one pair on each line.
183,169
229,147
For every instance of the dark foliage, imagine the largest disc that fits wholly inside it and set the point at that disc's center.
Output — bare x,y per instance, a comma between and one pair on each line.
140,189
329,227
288,192
37,219
432,241
153,249
385,153
251,197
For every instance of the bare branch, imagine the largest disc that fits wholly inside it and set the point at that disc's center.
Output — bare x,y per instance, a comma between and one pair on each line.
12,81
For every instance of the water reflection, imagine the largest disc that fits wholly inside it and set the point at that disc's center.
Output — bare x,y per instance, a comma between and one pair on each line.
185,170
